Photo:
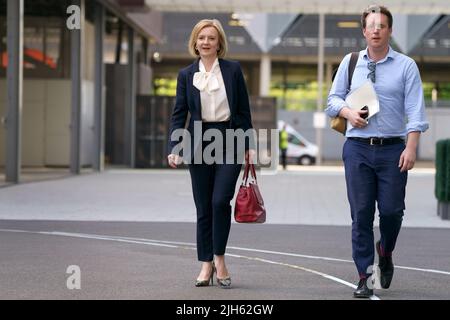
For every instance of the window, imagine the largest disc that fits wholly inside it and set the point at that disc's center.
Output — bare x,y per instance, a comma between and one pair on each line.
3,41
294,140
33,48
53,46
42,47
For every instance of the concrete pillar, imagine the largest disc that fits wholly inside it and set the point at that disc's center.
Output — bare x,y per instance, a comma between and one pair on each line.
99,118
15,89
76,65
328,75
265,74
130,103
320,67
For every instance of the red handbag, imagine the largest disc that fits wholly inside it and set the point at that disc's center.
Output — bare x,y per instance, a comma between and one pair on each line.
249,207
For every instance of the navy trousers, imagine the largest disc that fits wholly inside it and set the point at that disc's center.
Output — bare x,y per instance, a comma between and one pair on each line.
373,176
213,187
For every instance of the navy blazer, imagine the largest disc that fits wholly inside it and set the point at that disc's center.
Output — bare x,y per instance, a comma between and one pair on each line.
188,98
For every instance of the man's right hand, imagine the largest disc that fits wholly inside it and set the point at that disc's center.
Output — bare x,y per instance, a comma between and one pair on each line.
173,160
354,116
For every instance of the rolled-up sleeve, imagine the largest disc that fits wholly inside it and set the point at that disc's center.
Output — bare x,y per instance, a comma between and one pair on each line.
338,92
414,101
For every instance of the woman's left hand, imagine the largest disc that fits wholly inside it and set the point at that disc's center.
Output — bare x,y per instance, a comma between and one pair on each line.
250,156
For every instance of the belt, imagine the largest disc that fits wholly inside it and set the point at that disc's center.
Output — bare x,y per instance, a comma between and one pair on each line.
374,141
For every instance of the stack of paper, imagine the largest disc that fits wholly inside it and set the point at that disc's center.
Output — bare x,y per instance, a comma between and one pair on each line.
363,96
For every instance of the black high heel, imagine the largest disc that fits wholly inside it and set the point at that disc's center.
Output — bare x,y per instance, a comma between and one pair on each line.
205,283
224,283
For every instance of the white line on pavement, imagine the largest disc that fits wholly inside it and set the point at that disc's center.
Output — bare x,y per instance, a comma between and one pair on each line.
324,275
190,247
176,244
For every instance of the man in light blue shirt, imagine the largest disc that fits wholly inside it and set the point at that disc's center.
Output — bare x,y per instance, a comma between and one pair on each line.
375,156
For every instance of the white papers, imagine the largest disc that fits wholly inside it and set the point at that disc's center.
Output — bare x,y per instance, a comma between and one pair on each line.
363,96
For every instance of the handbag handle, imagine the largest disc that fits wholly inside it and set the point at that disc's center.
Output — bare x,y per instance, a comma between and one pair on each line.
249,166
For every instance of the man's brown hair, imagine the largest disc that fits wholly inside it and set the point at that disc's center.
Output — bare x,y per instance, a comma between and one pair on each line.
376,9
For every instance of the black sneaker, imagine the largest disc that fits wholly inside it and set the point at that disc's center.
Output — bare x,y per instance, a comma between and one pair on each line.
386,268
363,290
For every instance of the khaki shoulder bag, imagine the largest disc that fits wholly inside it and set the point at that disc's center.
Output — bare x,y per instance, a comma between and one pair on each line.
339,123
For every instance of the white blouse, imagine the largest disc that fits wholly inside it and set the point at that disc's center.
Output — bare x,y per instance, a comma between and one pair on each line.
213,96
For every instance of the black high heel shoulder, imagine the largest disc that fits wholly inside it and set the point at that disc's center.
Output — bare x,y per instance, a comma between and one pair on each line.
205,283
224,283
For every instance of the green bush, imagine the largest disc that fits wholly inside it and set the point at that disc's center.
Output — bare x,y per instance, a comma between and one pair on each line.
442,183
447,173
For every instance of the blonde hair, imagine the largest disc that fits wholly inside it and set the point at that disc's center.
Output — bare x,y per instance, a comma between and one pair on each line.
223,45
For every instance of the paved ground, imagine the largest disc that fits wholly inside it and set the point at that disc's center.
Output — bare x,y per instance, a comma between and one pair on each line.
132,235
313,196
124,260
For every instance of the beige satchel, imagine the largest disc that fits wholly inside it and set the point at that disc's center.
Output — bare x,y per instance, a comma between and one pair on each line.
339,123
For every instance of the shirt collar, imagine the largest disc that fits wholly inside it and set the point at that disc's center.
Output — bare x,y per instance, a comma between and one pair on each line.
391,54
202,68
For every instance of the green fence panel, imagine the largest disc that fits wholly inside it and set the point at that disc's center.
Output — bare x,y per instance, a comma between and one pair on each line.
441,160
446,193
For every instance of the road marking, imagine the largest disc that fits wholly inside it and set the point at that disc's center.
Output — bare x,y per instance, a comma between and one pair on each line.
321,274
176,244
189,247
447,273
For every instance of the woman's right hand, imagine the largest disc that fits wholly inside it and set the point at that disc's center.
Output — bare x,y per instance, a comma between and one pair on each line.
173,160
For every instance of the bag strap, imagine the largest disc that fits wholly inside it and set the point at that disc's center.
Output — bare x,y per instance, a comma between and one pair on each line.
351,68
249,166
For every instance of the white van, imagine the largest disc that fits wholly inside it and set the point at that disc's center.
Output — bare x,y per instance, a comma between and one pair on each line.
300,150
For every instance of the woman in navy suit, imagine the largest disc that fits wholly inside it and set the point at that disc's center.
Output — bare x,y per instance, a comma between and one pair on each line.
213,91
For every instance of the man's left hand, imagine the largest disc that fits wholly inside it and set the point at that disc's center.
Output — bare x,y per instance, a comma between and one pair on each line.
407,159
